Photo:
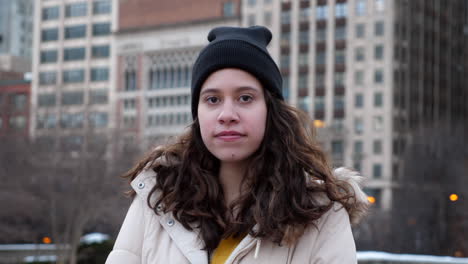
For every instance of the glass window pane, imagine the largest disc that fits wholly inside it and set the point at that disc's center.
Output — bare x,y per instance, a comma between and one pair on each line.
101,29
72,98
48,56
76,9
101,51
98,96
50,13
99,74
71,54
47,78
72,76
50,34
72,32
46,100
102,7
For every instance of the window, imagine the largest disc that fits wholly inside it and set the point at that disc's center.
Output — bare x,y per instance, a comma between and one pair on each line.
377,171
337,147
379,52
378,99
19,101
338,102
376,194
101,7
50,13
228,9
319,103
70,143
377,146
303,103
379,28
73,76
99,74
302,81
129,121
101,29
304,37
321,12
285,87
340,56
340,10
302,59
358,147
285,17
361,7
360,30
359,77
321,34
340,32
130,80
285,36
377,123
48,56
304,14
100,51
50,34
267,17
72,98
72,54
360,54
72,32
359,100
72,120
17,122
129,104
378,76
98,119
320,79
358,125
379,5
76,9
98,96
46,100
339,78
320,58
284,61
252,2
46,121
47,78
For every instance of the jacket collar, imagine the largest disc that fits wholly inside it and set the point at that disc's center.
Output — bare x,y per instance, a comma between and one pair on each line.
187,241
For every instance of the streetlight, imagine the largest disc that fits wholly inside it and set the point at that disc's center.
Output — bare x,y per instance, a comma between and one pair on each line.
46,240
319,123
371,199
453,197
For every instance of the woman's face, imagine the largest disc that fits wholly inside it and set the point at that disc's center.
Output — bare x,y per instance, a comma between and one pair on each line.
232,114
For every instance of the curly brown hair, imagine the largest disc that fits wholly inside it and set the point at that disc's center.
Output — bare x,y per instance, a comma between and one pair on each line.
283,177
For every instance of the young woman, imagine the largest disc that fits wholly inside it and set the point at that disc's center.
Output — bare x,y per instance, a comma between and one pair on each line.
247,183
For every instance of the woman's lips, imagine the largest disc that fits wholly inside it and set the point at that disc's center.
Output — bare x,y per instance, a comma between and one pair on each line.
229,136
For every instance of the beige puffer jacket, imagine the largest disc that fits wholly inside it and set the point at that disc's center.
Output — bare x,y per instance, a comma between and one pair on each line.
147,238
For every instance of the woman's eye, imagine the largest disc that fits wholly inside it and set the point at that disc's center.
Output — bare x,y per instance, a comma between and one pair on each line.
212,100
245,98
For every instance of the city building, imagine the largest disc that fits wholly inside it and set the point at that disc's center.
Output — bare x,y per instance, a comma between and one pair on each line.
156,46
14,108
16,18
369,72
71,84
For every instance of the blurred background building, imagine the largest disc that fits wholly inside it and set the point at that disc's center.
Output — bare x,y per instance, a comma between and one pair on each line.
156,44
71,83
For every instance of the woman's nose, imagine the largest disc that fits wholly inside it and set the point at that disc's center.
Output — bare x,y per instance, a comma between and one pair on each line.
228,113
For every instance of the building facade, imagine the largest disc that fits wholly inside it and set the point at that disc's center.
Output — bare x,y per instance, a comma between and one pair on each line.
369,72
16,18
14,108
71,84
156,46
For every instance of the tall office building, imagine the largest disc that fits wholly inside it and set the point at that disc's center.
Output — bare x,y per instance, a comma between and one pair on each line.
369,72
16,18
156,46
71,71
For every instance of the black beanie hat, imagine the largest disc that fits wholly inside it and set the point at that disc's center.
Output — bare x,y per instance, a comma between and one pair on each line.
241,48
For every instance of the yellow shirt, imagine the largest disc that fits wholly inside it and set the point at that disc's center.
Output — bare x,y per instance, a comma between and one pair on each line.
224,249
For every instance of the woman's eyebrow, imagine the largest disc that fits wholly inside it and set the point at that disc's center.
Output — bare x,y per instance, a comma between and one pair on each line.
237,90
